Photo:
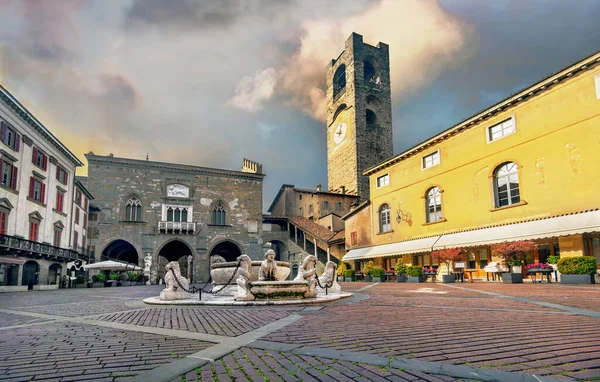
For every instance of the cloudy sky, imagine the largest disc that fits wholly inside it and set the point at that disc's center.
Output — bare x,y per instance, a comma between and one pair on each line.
208,83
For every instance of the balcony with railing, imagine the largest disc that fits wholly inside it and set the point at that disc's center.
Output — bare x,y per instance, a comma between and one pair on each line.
24,247
177,228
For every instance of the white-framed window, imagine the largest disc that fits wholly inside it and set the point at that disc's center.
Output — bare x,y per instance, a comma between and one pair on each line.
177,214
385,224
506,185
433,204
501,130
431,160
383,180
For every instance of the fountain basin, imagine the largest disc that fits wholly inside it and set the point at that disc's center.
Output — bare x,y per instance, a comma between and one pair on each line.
221,272
279,290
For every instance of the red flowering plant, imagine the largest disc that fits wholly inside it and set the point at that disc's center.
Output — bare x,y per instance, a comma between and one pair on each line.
513,252
389,272
447,256
539,266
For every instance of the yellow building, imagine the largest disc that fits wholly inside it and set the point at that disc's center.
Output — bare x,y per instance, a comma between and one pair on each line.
527,167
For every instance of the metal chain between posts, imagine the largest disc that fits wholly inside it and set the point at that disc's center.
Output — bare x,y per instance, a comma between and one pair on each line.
195,290
327,285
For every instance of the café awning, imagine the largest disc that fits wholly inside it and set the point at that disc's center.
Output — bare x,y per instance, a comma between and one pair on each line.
112,265
573,224
392,249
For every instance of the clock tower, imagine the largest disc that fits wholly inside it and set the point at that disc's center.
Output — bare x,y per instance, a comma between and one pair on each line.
359,115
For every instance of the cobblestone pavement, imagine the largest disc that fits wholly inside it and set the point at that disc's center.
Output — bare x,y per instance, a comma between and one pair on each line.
385,332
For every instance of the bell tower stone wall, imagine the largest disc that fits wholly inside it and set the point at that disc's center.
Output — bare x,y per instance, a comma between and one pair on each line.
359,115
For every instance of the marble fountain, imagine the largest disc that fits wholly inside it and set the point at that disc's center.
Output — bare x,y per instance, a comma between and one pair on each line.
247,282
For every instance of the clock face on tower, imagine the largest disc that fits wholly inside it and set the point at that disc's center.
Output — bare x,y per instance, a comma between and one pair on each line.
339,133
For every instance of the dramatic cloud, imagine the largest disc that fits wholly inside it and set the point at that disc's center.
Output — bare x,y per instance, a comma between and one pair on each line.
423,40
251,92
209,82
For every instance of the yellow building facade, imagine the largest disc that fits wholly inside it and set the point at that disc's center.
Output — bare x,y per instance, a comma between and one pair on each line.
527,167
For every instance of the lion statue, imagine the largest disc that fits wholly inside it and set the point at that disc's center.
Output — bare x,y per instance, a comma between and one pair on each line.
268,268
328,278
307,272
243,279
175,290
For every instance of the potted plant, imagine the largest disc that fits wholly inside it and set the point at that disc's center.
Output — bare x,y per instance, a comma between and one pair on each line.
448,257
577,270
513,254
349,275
341,271
429,272
377,274
112,279
98,280
400,270
414,273
367,270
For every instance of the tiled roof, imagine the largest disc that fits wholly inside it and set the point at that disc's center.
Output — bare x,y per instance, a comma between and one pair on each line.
341,235
311,227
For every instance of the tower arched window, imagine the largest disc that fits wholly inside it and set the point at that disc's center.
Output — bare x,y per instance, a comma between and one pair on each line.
433,204
369,71
384,218
371,118
218,217
133,210
339,81
506,184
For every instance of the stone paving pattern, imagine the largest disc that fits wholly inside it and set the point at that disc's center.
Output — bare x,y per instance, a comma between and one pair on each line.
73,352
221,321
248,364
457,324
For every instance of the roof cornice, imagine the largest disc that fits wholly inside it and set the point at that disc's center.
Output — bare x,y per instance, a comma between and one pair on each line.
489,112
194,170
29,119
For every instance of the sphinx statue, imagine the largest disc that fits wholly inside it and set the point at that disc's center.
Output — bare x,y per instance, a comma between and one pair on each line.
243,280
268,268
307,271
329,279
175,289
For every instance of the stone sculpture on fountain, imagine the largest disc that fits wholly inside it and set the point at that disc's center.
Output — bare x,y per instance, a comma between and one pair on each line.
307,271
328,279
268,268
174,290
243,280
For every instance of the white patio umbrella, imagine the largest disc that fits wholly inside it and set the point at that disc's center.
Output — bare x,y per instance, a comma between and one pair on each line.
113,265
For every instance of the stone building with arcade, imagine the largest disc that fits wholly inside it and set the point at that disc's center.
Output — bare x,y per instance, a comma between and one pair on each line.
154,212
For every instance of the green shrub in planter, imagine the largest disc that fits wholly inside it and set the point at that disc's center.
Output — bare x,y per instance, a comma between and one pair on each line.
132,276
113,276
414,271
349,275
584,265
552,259
577,270
378,274
99,278
400,268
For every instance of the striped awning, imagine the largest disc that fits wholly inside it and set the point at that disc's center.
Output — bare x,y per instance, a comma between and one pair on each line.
393,249
584,222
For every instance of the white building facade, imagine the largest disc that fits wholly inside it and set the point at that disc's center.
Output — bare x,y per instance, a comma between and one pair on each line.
37,178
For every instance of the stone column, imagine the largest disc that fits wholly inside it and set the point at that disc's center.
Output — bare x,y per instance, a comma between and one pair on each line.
20,275
315,243
304,235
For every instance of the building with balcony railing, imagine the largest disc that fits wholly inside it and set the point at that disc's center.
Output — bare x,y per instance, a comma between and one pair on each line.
150,213
36,184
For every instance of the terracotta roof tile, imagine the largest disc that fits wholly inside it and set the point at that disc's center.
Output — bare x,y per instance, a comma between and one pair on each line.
311,227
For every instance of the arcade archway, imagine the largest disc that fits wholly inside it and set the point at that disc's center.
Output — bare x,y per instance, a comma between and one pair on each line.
175,250
121,250
227,250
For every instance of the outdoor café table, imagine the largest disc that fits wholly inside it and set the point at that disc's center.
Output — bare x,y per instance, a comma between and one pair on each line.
426,275
534,271
388,276
495,275
470,272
